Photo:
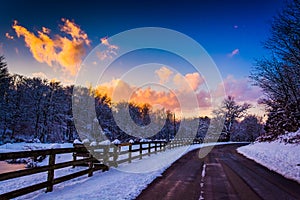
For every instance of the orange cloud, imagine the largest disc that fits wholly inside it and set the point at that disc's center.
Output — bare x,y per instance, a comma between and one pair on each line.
65,52
164,74
109,52
188,82
122,91
8,36
46,30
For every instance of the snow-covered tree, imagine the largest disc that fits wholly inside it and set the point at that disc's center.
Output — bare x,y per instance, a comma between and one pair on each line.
248,129
230,111
279,74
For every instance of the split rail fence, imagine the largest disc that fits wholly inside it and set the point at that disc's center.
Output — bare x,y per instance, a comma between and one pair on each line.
99,157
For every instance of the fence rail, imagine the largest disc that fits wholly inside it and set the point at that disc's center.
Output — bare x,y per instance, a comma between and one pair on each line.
93,157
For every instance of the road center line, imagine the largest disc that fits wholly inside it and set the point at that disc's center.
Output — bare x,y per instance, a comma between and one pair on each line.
202,182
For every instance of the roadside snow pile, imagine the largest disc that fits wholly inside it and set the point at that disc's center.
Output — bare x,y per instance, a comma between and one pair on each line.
281,155
291,138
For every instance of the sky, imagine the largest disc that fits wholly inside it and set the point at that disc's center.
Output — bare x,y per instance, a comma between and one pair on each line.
54,38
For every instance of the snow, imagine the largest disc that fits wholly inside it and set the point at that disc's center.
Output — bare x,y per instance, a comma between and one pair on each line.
131,141
125,182
55,146
279,155
86,141
93,144
23,146
76,141
116,141
105,142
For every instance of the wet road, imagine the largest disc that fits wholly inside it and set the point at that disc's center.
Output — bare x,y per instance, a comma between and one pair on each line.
222,174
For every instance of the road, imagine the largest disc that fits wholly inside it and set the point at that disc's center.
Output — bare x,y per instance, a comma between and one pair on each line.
222,174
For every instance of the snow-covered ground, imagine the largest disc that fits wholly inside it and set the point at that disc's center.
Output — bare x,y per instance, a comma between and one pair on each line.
124,182
281,155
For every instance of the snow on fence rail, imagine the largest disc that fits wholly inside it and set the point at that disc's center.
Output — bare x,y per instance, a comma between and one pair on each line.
94,157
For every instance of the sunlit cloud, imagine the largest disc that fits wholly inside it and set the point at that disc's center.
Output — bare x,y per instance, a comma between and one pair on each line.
171,99
46,30
190,81
8,36
163,74
65,52
234,52
109,51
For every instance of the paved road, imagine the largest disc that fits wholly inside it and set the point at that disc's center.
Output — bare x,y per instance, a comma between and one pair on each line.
222,174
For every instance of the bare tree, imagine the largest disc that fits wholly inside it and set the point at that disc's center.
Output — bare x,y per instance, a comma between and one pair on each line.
279,74
230,111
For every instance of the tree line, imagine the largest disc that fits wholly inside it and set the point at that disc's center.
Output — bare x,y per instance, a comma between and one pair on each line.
42,110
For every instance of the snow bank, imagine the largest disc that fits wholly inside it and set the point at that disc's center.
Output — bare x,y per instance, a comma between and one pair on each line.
281,155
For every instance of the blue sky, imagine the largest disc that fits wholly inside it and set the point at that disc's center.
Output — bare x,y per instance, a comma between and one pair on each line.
231,31
211,22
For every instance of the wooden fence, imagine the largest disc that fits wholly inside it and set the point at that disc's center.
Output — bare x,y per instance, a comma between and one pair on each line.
93,157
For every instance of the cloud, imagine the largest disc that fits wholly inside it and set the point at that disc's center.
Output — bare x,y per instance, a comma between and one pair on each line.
164,74
46,30
190,81
122,91
236,26
241,89
65,52
110,50
8,36
234,52
40,75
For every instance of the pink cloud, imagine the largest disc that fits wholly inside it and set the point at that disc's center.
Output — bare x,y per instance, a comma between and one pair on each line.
241,89
234,52
8,36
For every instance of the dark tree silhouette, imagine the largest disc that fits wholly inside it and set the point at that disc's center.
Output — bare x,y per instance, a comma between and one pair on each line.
279,74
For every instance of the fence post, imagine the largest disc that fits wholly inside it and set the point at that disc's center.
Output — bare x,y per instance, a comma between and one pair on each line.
129,156
50,177
115,155
74,159
91,163
141,150
155,147
149,148
106,155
